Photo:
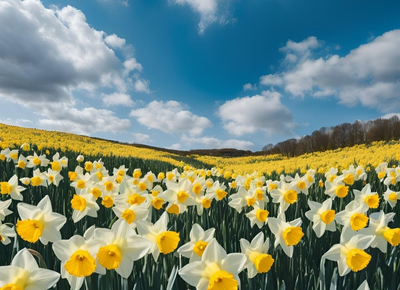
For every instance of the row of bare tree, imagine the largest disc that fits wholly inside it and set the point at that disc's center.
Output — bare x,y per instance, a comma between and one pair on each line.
343,135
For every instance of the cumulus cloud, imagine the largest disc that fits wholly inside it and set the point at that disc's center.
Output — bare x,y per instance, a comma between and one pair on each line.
248,87
142,85
214,143
260,112
142,138
123,2
369,75
170,117
118,99
47,55
86,121
390,115
210,11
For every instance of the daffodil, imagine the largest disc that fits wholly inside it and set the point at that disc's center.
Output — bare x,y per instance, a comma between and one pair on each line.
35,160
393,177
78,259
216,189
285,195
259,215
322,216
12,188
300,184
350,254
336,188
391,197
130,194
216,270
39,222
38,178
241,199
22,162
84,204
53,177
4,211
258,261
199,239
353,216
24,274
131,213
160,238
365,198
5,233
122,247
57,164
287,234
382,233
11,155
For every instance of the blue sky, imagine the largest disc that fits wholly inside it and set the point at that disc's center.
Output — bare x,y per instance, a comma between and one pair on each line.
190,74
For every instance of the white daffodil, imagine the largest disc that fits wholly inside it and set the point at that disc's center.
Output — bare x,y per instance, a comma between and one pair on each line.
179,196
57,164
161,240
259,215
350,253
77,256
12,188
300,184
4,154
4,211
130,194
336,188
391,197
285,195
241,199
83,205
131,213
258,261
24,274
81,182
322,215
22,162
393,176
199,239
39,222
381,170
216,270
382,233
348,175
154,199
38,178
360,173
258,192
122,247
270,185
287,234
331,174
203,201
5,233
53,177
216,189
352,216
172,176
12,155
365,198
35,160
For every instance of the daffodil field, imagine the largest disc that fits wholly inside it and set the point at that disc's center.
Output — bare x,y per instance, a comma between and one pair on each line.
72,217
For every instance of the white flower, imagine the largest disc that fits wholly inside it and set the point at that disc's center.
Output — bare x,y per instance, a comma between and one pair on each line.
54,177
352,216
322,215
287,234
216,270
24,273
350,253
199,239
258,215
382,233
366,198
39,222
12,188
391,197
258,261
4,211
122,247
131,213
83,205
241,199
36,160
285,195
5,233
80,158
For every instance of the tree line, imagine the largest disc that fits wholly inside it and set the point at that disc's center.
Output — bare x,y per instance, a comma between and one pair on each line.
343,135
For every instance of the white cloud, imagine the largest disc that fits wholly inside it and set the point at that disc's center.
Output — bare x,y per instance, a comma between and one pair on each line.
369,75
249,86
123,2
170,117
214,143
142,138
260,112
114,41
175,146
390,115
85,121
47,55
271,79
142,85
116,99
16,122
210,11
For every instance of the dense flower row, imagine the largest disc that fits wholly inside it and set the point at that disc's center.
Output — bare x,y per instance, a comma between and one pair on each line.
132,236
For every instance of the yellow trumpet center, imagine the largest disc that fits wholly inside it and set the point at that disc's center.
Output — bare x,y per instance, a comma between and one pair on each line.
173,209
290,196
357,259
301,184
107,201
182,196
197,188
206,202
142,186
358,221
199,248
80,264
349,179
78,203
5,187
292,235
36,161
30,230
341,190
220,194
36,181
222,280
392,196
392,236
372,201
96,192
157,202
328,216
262,262
109,257
262,215
136,198
167,242
250,201
109,185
